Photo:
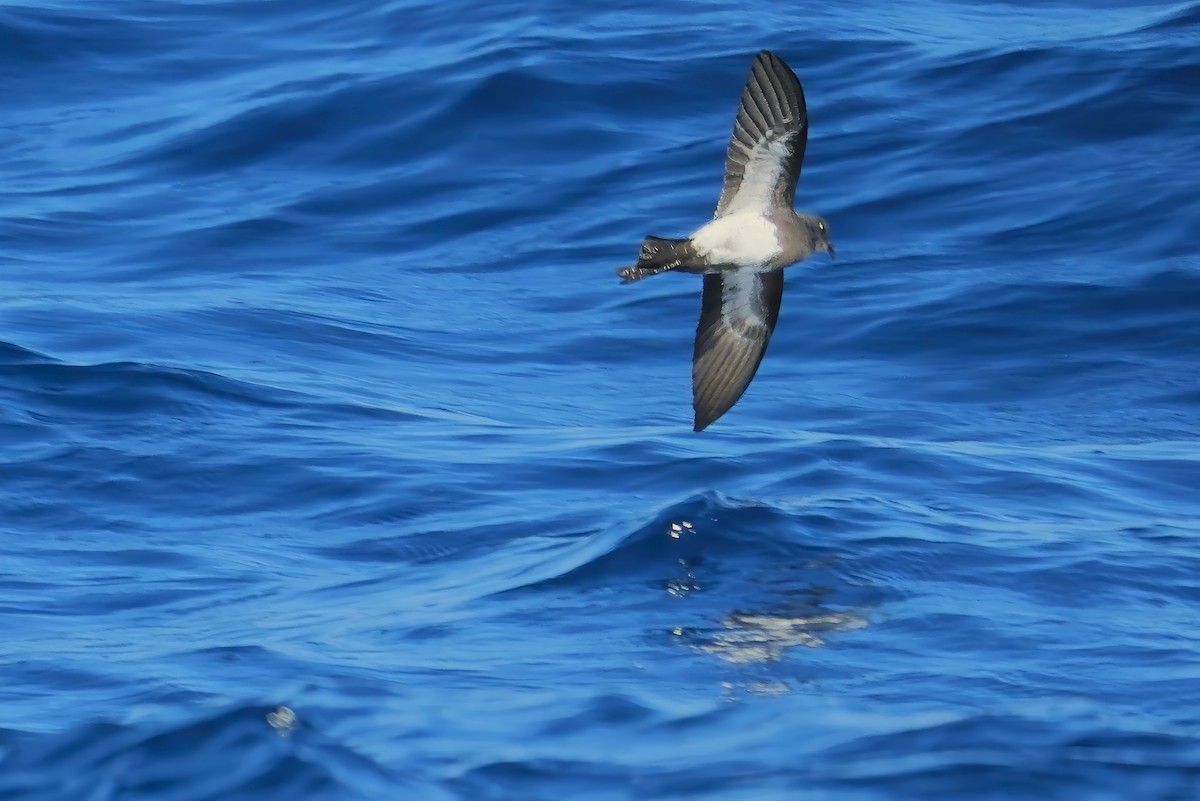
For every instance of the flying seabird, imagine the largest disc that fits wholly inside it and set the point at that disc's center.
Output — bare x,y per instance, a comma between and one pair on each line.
754,234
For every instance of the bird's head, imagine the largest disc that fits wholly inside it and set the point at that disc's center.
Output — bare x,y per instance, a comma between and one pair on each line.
818,230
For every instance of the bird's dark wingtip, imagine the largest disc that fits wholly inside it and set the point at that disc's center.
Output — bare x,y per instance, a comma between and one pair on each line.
703,419
769,56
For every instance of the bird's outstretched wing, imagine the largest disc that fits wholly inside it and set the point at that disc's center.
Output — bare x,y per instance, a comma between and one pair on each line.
770,133
737,316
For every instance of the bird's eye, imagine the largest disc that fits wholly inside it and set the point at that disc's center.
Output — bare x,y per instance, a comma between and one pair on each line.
821,225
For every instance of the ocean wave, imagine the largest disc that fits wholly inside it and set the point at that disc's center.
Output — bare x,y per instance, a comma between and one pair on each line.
278,754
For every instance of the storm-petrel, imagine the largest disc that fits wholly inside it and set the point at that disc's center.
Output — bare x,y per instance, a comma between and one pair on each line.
752,237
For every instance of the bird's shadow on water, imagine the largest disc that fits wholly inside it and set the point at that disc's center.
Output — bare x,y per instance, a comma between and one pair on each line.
744,582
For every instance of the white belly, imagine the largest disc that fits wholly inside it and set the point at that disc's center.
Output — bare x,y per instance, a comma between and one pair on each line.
747,239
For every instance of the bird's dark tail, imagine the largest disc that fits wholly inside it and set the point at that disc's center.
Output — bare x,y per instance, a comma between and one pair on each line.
660,255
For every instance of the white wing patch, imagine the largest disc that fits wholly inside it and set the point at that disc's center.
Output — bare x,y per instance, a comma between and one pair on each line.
741,307
747,239
762,173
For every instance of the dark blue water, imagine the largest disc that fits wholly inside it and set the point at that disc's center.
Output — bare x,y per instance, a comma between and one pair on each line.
335,463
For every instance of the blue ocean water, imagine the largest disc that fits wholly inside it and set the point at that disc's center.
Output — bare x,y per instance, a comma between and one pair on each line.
335,463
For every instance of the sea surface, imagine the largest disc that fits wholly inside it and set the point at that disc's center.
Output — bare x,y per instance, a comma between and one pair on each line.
336,463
